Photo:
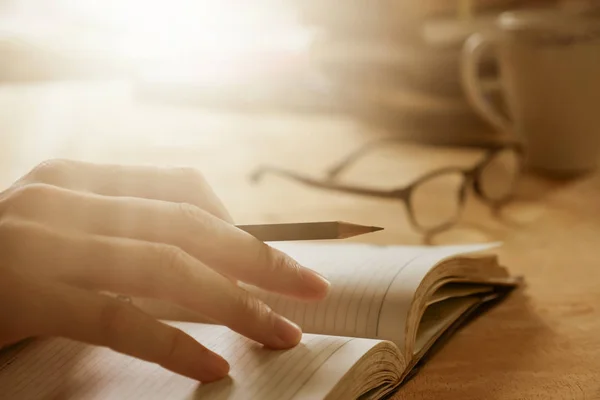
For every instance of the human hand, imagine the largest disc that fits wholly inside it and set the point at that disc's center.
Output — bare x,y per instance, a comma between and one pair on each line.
70,230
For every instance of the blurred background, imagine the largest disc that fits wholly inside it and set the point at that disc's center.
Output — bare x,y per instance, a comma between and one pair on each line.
224,86
381,61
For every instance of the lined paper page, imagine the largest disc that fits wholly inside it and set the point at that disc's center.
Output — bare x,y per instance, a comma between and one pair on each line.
362,278
62,369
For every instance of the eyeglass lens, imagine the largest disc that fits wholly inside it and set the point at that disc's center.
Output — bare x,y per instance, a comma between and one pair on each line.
437,201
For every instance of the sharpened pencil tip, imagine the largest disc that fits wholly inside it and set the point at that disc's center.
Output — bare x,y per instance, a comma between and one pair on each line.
347,230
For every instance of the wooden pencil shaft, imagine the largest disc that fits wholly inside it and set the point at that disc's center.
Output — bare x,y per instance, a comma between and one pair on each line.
305,231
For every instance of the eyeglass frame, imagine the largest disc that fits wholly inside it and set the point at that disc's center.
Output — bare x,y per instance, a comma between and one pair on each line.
470,177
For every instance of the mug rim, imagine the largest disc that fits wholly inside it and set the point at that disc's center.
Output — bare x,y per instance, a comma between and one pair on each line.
546,19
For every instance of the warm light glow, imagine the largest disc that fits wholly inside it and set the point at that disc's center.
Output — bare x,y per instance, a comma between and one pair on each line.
213,36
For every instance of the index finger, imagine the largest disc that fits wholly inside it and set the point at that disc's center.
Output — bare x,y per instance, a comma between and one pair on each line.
216,243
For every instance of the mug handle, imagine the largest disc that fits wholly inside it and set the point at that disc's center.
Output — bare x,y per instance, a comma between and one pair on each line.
474,48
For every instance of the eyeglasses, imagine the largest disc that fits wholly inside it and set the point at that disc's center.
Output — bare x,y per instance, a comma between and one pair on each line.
434,201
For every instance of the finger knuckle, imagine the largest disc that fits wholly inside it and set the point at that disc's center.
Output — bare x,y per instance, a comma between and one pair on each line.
172,260
189,211
49,171
265,258
247,304
193,217
28,197
274,262
113,320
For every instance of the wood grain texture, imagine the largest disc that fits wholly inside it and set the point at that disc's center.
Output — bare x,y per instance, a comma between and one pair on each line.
542,343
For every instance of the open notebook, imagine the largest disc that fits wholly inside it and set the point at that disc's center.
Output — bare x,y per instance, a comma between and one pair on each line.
386,308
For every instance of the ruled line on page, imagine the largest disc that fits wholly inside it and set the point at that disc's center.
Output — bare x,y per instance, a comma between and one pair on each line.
60,368
360,278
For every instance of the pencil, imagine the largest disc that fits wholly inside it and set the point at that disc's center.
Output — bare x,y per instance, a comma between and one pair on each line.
307,231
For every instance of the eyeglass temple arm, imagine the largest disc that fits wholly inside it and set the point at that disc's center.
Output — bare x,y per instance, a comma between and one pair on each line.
337,169
391,194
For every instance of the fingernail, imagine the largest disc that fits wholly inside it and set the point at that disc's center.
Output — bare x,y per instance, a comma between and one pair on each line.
317,283
288,333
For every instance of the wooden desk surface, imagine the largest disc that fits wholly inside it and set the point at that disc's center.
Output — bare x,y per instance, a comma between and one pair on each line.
544,342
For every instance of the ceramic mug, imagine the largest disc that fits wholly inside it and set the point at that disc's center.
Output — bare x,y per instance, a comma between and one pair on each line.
549,66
